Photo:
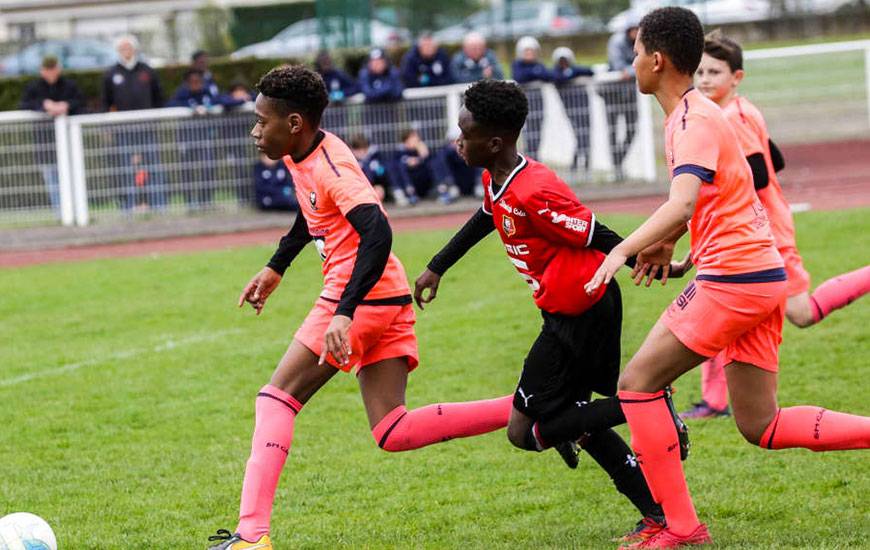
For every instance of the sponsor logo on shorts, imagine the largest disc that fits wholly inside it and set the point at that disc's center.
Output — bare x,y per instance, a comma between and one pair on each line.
507,223
686,296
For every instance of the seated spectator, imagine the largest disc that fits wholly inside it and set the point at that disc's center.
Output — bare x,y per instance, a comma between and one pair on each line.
339,84
527,68
426,64
239,91
55,95
420,172
377,166
195,93
475,61
273,186
467,178
575,99
379,80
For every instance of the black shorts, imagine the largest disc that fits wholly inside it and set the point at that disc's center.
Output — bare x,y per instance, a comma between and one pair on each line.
572,357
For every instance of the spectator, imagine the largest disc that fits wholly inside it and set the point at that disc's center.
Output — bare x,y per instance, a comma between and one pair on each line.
475,61
199,61
467,178
55,95
273,186
381,84
527,68
620,98
426,64
196,93
239,91
239,155
377,167
420,172
575,99
340,86
129,85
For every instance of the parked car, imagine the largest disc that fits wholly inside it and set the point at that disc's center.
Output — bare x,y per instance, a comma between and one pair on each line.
305,37
73,54
710,12
533,18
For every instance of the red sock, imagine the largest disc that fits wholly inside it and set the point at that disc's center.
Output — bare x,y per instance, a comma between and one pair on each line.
276,410
816,429
404,430
714,386
654,440
840,291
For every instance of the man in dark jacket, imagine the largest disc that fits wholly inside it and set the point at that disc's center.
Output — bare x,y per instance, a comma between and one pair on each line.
426,64
129,85
54,95
340,86
381,84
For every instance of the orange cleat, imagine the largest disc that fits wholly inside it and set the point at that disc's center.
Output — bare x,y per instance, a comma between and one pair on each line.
666,539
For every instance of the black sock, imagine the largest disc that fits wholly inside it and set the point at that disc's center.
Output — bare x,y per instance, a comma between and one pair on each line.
615,457
581,418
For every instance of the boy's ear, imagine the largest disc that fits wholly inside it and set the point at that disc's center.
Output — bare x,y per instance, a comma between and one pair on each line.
738,76
658,62
495,144
295,122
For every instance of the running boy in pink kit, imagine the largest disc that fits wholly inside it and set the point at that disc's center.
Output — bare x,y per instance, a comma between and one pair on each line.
363,318
736,302
717,77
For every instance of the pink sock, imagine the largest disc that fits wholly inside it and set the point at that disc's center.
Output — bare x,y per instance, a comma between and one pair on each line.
276,410
840,291
816,429
654,440
404,430
714,387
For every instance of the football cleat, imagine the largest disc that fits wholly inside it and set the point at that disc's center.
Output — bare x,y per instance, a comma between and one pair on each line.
703,410
570,453
234,541
667,539
682,429
645,528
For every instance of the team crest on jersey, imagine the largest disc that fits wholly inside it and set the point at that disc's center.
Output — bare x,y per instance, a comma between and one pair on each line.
507,223
312,198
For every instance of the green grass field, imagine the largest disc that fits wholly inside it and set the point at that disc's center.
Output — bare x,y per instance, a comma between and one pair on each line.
127,404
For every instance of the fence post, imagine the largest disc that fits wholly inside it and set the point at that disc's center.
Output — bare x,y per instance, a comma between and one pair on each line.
64,170
79,187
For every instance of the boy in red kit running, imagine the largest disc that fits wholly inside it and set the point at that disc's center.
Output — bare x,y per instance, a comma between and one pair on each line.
363,318
717,77
736,302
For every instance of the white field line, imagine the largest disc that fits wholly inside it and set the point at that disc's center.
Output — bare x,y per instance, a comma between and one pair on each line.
168,344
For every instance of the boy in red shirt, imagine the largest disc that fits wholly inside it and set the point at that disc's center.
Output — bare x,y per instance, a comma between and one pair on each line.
736,302
717,77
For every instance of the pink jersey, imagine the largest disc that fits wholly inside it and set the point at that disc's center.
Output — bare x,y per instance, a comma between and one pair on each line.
329,184
546,231
729,228
752,134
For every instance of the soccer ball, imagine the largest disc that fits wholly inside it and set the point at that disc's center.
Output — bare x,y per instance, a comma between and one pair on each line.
23,531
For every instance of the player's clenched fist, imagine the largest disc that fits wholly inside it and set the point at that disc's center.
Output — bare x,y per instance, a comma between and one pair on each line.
428,279
259,288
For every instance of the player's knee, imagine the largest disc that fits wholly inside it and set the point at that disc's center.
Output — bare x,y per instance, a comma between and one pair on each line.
800,317
517,435
752,430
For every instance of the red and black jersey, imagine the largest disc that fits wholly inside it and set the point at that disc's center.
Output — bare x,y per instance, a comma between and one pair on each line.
546,232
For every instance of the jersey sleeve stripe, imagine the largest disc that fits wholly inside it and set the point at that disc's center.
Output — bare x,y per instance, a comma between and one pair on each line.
705,174
329,160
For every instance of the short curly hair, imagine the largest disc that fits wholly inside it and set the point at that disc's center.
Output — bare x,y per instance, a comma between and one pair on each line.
296,88
677,33
497,105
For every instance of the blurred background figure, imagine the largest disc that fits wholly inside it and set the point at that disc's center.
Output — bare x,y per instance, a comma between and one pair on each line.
130,85
526,69
475,61
576,101
620,98
54,95
421,173
240,91
426,64
273,186
199,61
378,167
467,178
380,83
340,86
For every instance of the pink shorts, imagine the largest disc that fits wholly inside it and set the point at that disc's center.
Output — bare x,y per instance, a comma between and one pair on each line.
798,278
376,333
741,320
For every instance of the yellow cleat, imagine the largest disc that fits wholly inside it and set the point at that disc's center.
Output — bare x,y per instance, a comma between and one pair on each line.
230,541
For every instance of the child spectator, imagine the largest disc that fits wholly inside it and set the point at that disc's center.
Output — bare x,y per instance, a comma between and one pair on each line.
273,185
199,61
420,172
525,69
575,99
376,166
426,64
467,178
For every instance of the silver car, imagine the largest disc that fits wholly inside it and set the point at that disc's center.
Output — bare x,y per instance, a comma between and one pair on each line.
73,54
304,38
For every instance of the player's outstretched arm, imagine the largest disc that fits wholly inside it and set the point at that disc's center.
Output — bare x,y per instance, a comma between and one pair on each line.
475,229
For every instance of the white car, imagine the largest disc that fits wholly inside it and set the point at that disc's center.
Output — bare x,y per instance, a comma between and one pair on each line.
304,38
710,12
